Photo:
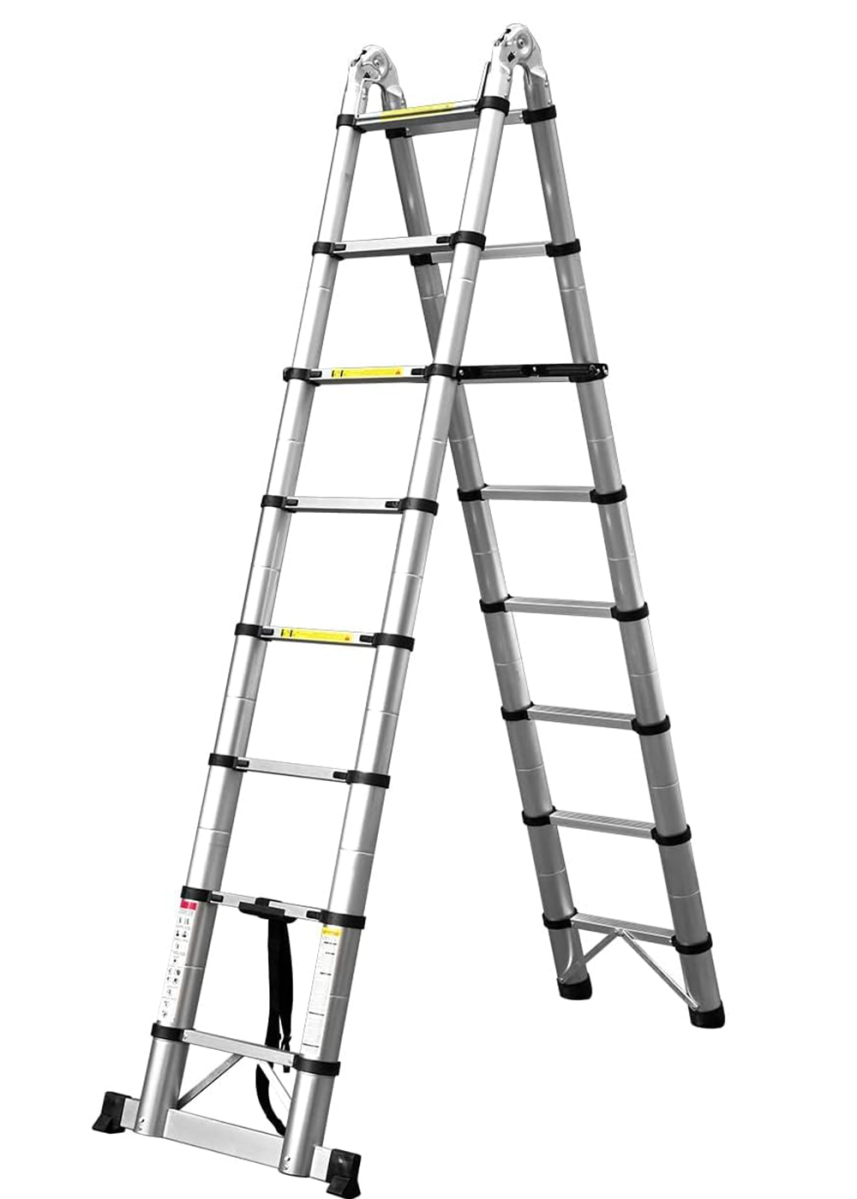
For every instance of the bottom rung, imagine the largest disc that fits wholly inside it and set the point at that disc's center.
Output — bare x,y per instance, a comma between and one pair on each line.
604,924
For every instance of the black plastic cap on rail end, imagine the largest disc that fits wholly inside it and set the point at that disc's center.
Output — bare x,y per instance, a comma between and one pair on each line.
112,1108
342,1174
580,990
716,1018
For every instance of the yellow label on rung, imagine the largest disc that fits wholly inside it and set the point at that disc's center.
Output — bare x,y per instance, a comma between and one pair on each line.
367,372
316,635
423,110
331,932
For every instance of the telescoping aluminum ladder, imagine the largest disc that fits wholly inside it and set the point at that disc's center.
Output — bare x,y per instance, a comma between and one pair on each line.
297,1147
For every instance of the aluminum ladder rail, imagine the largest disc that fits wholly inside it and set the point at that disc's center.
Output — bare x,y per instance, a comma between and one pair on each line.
161,1109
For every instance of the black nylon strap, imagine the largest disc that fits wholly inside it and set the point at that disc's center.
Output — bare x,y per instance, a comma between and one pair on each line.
278,1034
418,504
538,821
467,237
671,838
564,922
561,249
698,947
534,116
628,616
651,730
497,102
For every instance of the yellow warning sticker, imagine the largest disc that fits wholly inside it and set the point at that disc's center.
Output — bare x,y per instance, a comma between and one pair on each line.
423,110
331,932
366,372
317,635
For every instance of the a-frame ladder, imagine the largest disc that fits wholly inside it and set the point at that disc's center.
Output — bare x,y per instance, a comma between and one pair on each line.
297,1148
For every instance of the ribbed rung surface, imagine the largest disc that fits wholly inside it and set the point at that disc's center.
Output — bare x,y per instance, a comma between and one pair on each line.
261,1053
557,607
603,824
354,504
605,924
437,247
580,495
607,720
292,769
430,118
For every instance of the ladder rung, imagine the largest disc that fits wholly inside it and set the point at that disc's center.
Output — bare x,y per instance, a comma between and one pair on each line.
261,1053
430,118
437,247
580,495
607,720
368,374
642,932
292,769
534,372
603,824
231,899
543,372
316,636
324,503
557,607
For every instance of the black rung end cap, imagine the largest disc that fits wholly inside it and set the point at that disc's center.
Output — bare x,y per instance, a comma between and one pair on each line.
297,372
626,617
579,990
347,118
342,1171
307,1065
535,116
561,249
392,134
199,894
716,1018
608,497
229,761
692,950
396,640
341,919
420,259
671,838
651,730
279,501
471,496
418,504
490,606
112,1107
327,247
249,630
161,1033
563,922
368,778
467,237
498,102
441,368
516,713
540,821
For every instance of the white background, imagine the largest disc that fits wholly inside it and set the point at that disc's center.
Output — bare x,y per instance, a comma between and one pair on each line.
164,168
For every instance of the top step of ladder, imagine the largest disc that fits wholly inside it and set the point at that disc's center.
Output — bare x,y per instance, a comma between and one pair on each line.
430,118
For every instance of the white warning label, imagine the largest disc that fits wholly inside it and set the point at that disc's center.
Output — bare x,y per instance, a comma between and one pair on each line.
178,959
322,982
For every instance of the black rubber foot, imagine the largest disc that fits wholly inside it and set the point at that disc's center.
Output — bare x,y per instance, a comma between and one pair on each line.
713,1019
342,1174
110,1119
581,990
